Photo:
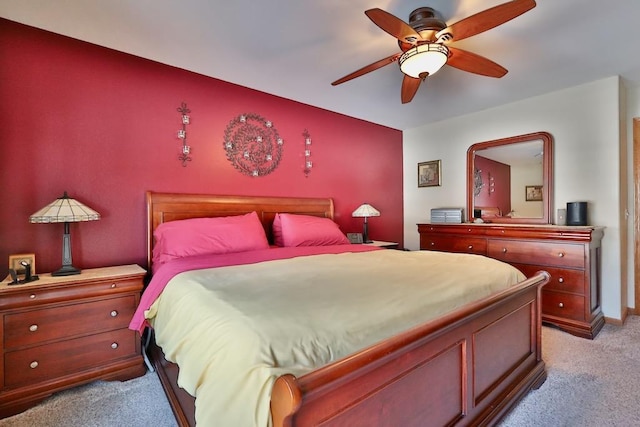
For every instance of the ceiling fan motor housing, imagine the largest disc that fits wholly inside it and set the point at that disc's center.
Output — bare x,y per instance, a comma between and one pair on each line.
426,19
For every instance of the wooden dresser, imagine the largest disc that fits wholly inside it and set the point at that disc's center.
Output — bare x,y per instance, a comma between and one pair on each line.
60,332
572,255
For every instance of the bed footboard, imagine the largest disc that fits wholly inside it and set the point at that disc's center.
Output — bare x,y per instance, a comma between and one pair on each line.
467,368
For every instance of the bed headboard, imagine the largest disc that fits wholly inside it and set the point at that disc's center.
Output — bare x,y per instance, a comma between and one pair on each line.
165,207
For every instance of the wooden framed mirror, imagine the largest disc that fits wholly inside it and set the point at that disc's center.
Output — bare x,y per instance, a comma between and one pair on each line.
510,180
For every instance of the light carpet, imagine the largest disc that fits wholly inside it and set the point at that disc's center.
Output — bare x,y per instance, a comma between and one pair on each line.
590,383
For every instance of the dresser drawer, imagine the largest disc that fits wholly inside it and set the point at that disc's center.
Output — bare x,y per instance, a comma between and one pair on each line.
41,295
46,362
477,245
565,280
451,229
539,253
49,324
561,304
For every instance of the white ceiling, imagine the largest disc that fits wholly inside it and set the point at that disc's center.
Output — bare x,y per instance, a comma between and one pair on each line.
296,48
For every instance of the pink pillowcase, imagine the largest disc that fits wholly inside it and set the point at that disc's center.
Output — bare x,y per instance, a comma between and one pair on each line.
201,236
306,230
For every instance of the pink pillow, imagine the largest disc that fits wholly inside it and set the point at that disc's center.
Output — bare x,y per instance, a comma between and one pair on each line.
201,236
306,230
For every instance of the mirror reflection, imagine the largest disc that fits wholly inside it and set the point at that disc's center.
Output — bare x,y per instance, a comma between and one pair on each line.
509,180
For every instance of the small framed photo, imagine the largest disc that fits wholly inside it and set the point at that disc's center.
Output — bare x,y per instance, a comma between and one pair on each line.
429,174
533,193
354,237
15,260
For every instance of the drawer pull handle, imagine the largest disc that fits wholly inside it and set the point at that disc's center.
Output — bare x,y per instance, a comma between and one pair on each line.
114,313
469,230
34,364
32,296
504,250
114,345
33,328
561,254
113,285
433,244
561,305
561,280
470,247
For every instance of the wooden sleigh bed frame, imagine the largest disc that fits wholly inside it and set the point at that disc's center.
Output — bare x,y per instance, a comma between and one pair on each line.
469,367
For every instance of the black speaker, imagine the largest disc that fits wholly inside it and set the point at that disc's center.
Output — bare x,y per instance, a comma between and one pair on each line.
577,213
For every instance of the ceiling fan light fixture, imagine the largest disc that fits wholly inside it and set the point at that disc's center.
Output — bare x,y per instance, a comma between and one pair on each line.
423,60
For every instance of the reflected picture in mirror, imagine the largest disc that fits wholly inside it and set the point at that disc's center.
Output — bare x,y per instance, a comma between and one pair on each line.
510,179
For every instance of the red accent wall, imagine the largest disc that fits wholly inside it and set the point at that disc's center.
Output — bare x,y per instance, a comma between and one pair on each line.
102,125
501,195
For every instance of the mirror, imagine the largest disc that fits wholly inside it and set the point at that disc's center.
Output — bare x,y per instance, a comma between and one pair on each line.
510,180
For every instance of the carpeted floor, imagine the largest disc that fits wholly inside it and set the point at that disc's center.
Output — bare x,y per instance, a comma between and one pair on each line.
590,384
140,402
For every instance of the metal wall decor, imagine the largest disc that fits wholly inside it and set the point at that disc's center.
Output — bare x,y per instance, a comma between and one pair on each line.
182,134
253,145
308,164
477,182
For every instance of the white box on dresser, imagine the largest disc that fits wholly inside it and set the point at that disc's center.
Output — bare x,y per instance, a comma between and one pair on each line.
59,332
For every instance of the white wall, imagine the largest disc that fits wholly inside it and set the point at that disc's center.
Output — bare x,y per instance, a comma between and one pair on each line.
585,124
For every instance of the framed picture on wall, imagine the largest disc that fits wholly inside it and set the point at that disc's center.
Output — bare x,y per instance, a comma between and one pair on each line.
16,259
429,174
533,193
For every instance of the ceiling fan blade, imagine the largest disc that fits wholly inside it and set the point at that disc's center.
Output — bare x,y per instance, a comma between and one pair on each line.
467,61
488,19
393,25
410,86
371,67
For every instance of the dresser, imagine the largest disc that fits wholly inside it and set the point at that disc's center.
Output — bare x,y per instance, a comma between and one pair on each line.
59,332
571,255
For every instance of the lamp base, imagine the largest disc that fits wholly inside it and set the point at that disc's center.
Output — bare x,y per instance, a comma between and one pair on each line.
66,270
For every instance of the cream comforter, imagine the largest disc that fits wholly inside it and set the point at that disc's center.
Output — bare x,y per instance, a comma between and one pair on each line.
233,330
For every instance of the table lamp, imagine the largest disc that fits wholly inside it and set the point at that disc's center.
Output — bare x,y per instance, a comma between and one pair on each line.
365,211
65,209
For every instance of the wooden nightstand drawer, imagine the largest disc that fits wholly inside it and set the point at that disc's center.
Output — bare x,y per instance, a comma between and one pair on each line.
540,253
565,280
44,294
50,324
560,304
46,362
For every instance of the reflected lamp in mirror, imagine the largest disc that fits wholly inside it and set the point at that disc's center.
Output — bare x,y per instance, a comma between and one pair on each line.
365,211
65,210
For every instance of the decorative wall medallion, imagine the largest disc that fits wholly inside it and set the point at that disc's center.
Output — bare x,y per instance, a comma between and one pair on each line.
253,145
477,182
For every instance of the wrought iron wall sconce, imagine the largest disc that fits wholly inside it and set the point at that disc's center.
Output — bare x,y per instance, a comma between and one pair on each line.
182,134
308,163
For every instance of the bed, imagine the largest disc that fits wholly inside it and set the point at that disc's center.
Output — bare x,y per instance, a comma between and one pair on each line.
468,366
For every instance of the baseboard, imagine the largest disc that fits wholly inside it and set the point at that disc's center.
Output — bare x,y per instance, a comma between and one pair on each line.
633,311
629,311
612,321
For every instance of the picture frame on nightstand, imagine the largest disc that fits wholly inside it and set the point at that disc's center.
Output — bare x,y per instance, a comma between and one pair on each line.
355,237
16,259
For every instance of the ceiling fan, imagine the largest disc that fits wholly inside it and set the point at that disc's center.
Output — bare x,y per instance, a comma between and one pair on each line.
424,43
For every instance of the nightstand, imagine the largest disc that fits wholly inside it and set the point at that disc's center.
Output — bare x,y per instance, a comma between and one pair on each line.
382,244
60,332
